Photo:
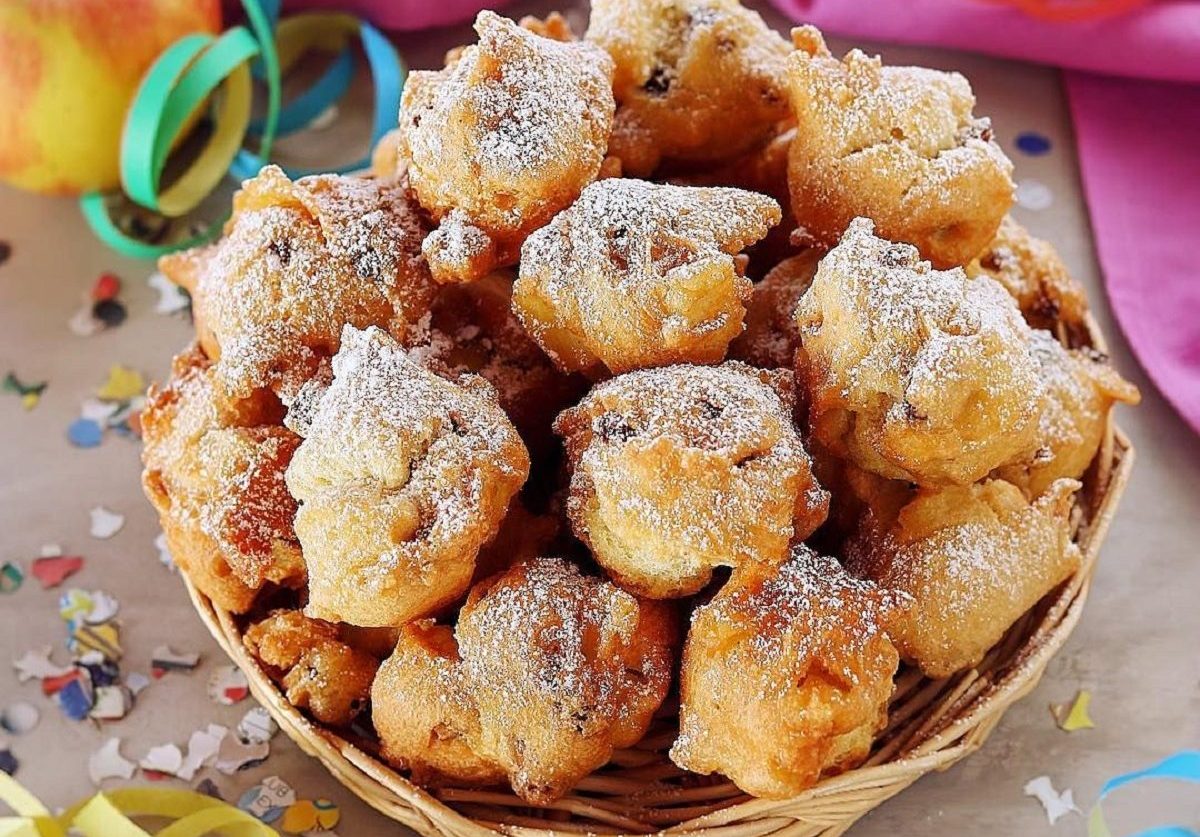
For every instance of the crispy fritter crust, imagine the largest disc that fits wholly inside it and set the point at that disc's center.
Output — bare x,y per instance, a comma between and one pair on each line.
772,337
898,145
546,674
317,671
501,140
973,558
914,373
638,274
697,80
297,263
679,470
402,476
786,676
214,471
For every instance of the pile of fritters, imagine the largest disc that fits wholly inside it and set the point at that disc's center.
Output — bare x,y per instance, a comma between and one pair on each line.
548,417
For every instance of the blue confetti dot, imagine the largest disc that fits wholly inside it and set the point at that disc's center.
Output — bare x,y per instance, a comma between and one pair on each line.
1033,143
84,433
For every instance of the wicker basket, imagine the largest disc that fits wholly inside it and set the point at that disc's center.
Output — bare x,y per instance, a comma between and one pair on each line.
931,725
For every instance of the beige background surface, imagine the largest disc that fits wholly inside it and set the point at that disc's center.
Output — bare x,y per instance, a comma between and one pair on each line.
1135,649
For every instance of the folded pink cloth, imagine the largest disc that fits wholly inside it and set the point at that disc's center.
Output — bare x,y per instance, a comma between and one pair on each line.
1157,40
1138,138
400,15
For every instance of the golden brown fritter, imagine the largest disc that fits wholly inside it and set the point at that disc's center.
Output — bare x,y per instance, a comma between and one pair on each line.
1031,270
786,676
474,330
402,476
387,157
914,373
214,471
298,262
898,145
501,140
638,274
546,674
679,470
698,80
1081,389
316,670
772,336
973,558
424,712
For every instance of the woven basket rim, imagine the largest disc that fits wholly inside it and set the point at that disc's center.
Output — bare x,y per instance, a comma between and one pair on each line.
937,724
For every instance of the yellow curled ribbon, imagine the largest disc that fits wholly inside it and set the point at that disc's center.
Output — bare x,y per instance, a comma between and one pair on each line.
112,814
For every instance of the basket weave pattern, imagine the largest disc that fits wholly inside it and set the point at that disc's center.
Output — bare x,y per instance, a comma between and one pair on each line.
931,725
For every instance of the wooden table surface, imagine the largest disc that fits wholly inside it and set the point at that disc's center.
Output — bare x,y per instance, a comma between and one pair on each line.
1135,648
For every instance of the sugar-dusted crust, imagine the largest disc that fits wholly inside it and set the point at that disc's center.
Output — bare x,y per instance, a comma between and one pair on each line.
911,372
786,676
402,477
679,470
638,274
502,139
898,145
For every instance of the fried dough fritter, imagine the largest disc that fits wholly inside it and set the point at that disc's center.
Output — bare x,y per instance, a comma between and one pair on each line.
772,337
638,274
501,140
898,145
474,330
317,671
679,470
425,712
298,262
697,80
786,676
1081,389
402,476
1031,270
973,558
214,471
546,674
915,373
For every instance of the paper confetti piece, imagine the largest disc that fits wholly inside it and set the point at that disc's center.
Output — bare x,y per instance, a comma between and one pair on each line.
201,750
164,552
1074,715
112,703
268,799
11,577
257,726
1057,804
172,299
105,522
8,763
1033,143
53,570
165,759
208,787
37,665
164,660
309,815
227,685
136,682
1034,195
233,755
108,763
20,717
30,394
84,433
83,323
103,638
94,607
5,251
107,286
123,384
50,550
75,696
110,312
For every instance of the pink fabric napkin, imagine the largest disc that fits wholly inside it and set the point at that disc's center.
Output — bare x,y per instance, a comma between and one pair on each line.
1138,138
400,15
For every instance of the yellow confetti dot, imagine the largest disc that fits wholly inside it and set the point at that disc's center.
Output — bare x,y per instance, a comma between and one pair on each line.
1074,716
30,400
123,383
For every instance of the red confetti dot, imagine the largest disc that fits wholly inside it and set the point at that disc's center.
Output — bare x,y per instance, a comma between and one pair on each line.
106,287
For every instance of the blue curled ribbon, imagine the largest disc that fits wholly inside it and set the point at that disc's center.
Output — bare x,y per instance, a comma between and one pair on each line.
1183,766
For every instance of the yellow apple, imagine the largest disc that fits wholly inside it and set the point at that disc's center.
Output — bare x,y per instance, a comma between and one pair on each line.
68,71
